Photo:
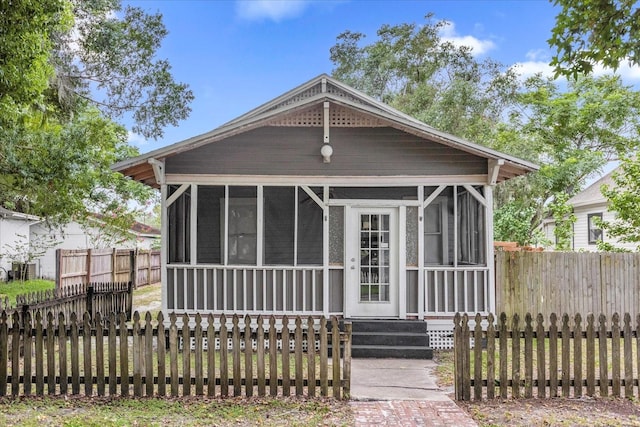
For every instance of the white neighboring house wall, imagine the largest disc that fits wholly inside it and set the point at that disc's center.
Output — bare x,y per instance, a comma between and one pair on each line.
14,231
587,203
77,236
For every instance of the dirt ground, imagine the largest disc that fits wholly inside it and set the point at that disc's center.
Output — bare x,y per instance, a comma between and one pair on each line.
555,412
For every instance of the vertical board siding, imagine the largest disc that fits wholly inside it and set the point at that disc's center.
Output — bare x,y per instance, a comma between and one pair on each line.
547,357
105,355
567,282
77,266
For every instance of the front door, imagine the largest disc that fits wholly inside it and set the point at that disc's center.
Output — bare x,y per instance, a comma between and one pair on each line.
372,263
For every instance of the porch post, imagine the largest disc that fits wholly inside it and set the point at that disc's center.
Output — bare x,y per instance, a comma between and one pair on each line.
164,227
491,306
325,251
421,284
402,262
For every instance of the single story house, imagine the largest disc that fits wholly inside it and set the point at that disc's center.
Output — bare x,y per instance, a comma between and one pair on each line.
14,237
325,201
588,206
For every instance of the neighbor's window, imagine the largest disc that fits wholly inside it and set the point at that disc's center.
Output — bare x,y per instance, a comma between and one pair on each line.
594,230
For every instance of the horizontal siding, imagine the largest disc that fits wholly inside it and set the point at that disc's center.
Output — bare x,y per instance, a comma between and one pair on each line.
296,151
581,230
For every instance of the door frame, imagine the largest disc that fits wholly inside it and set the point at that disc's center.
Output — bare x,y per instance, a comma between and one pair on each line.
394,308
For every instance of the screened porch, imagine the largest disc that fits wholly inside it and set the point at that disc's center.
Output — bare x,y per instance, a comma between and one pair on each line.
284,249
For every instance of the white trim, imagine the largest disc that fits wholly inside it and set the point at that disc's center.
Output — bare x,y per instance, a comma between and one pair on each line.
476,194
158,169
164,226
317,181
325,256
491,306
494,170
178,193
260,226
313,195
455,226
386,203
421,307
225,239
402,262
433,195
295,227
193,238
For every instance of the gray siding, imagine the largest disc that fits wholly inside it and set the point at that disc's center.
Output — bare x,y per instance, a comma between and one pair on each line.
296,151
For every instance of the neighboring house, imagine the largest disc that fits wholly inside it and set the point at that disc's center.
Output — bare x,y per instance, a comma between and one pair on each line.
77,236
14,235
589,205
325,201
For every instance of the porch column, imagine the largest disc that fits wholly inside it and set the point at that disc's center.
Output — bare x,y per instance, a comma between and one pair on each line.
163,246
491,307
325,251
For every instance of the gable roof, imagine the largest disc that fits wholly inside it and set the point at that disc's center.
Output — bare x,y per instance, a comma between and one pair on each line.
592,194
308,98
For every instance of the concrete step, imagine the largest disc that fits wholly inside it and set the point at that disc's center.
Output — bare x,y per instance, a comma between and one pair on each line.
390,339
396,352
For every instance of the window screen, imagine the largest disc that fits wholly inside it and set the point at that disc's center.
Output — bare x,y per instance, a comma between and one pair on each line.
279,225
179,215
309,229
210,225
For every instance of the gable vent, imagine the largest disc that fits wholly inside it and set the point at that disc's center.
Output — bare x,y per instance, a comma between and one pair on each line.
339,117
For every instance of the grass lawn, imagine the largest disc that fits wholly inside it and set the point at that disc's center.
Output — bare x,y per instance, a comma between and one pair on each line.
12,289
199,411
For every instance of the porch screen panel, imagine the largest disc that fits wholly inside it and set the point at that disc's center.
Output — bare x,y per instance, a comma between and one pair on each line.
471,229
279,225
210,205
242,224
439,228
179,236
309,228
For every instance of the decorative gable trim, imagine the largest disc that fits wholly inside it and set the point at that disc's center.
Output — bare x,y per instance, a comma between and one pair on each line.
339,116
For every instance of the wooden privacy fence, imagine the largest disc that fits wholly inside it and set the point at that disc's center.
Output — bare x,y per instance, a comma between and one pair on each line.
90,297
561,358
571,282
74,266
108,356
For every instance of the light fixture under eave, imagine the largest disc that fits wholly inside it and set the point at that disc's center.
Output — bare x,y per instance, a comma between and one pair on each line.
326,152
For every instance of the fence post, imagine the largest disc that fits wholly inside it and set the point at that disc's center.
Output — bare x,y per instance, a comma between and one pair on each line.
133,270
129,306
457,356
114,264
58,267
89,255
89,302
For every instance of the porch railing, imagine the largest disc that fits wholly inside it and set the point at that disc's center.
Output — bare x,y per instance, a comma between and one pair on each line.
449,290
245,289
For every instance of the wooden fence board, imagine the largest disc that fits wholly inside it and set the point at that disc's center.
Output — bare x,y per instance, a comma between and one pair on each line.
567,282
577,357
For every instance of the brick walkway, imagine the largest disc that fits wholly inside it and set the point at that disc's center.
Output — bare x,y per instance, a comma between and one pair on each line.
410,413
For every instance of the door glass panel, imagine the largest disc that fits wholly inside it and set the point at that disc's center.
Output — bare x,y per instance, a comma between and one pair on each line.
374,257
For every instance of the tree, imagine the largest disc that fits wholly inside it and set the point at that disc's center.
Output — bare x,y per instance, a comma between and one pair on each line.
411,68
70,68
573,134
624,200
109,59
592,32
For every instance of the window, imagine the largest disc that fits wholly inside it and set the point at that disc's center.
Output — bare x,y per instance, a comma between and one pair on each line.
231,222
179,235
454,227
593,227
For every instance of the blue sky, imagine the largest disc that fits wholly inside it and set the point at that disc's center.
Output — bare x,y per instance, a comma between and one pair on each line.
236,55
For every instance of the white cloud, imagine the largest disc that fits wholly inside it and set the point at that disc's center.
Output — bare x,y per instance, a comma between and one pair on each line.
538,62
275,10
626,71
136,139
478,46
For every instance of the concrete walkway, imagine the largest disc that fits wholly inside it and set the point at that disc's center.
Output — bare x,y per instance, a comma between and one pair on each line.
401,392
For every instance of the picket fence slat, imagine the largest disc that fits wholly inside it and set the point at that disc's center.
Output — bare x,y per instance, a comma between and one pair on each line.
109,355
530,359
